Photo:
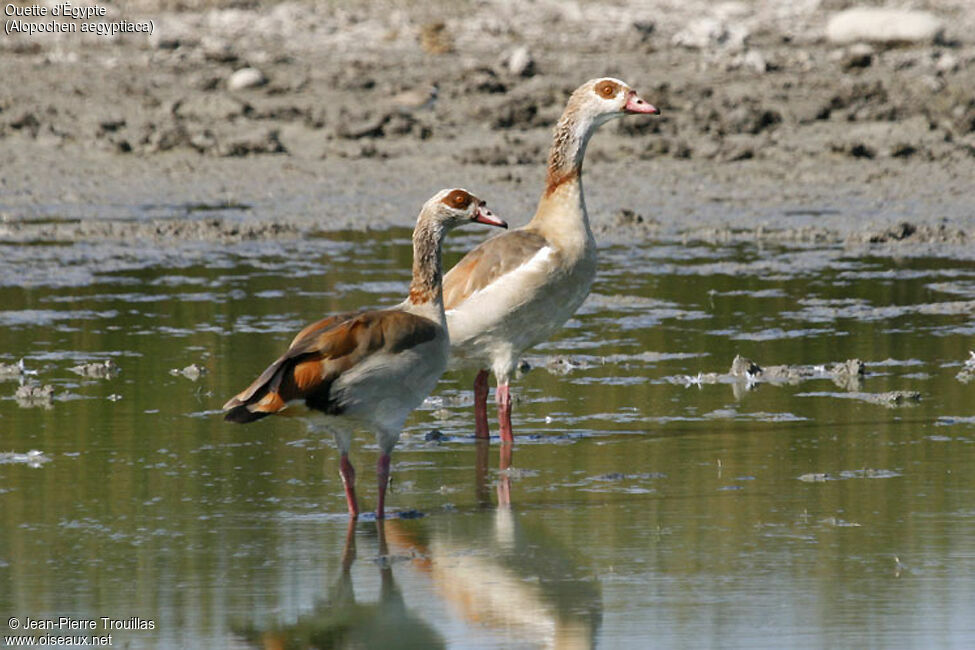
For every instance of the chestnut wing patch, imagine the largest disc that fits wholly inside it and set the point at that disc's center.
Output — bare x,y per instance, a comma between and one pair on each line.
488,262
320,354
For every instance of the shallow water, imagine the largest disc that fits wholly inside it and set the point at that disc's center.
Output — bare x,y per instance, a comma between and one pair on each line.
656,501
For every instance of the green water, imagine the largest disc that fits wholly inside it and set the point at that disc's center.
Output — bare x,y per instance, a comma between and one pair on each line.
650,508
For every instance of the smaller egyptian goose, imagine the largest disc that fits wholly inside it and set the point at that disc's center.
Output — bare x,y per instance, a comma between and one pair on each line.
515,290
370,369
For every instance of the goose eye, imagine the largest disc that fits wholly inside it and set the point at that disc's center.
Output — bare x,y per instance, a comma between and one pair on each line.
458,199
606,89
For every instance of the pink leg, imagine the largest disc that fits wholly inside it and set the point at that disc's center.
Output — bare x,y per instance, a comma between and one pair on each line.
480,405
382,476
504,413
348,479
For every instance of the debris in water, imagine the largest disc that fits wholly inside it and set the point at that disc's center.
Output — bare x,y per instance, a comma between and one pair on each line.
846,374
15,370
33,458
816,477
100,370
29,395
893,398
967,372
192,372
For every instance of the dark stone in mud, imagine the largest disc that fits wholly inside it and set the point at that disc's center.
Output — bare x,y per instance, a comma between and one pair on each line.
519,112
354,75
513,152
393,123
863,101
857,60
369,128
751,119
26,121
903,150
482,80
737,148
899,232
854,149
907,232
211,107
266,142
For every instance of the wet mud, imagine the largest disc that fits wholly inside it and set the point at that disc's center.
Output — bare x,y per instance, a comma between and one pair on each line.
288,115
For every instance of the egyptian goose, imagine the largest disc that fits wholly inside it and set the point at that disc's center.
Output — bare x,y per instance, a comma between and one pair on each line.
370,369
513,291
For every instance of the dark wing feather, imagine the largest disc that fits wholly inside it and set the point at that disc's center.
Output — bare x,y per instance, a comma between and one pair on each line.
320,354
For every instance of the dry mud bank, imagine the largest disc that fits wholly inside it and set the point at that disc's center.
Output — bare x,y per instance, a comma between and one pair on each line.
263,120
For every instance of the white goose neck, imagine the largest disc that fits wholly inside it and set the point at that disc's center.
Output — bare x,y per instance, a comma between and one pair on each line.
426,289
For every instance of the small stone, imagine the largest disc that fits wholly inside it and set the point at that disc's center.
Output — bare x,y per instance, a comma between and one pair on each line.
753,60
881,25
520,62
246,78
854,60
947,62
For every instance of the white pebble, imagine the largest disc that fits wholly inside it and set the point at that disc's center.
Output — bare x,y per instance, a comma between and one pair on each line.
246,78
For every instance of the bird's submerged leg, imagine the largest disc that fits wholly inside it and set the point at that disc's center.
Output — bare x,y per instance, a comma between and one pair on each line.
504,412
349,552
348,479
481,430
504,482
382,477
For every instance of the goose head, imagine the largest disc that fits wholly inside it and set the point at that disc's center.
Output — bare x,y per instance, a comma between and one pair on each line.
452,207
603,99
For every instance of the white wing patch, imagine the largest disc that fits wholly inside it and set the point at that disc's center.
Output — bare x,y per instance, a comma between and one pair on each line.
503,311
535,263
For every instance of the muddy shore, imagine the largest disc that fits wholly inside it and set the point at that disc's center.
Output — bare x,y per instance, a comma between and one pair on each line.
239,121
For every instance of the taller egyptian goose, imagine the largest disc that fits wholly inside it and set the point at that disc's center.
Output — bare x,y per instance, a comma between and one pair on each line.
513,291
370,369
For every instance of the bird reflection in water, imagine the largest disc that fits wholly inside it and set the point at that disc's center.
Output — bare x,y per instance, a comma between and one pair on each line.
503,578
503,575
503,487
338,621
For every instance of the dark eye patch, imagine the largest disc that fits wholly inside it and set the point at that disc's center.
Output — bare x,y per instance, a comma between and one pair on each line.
607,89
458,199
